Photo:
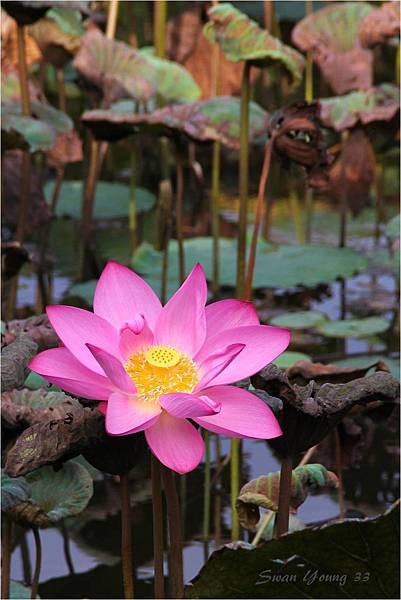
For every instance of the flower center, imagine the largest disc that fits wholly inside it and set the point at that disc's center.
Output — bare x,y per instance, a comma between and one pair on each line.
161,370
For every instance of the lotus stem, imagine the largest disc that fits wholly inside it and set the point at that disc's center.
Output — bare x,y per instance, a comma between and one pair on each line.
243,179
307,456
25,559
258,217
112,15
62,101
38,562
235,477
339,472
67,549
297,216
126,537
88,202
215,197
206,497
344,200
174,520
263,527
283,514
397,65
268,15
132,217
6,557
380,213
158,545
217,499
160,17
179,202
23,71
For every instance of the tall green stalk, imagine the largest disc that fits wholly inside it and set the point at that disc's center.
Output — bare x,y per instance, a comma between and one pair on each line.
235,479
158,546
132,205
283,514
206,497
175,532
216,216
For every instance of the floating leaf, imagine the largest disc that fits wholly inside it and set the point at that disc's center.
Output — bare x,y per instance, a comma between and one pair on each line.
264,491
332,35
14,490
211,120
380,103
287,359
381,25
174,82
58,35
111,199
242,39
392,229
303,319
354,328
312,563
282,267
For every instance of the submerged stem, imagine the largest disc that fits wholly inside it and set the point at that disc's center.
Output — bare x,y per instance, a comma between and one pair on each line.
339,471
158,544
283,514
38,562
126,537
174,519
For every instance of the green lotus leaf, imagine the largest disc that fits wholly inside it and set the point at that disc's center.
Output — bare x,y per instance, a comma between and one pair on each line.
287,359
35,382
354,328
303,319
68,20
216,119
174,82
26,133
111,199
264,491
19,591
58,35
241,39
14,490
380,103
62,493
283,568
364,361
59,120
116,69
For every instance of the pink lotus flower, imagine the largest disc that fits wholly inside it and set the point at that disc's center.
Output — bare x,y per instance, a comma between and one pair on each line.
156,367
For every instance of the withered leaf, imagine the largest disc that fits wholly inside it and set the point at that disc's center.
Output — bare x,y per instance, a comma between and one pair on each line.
14,360
22,408
304,371
309,412
381,25
38,328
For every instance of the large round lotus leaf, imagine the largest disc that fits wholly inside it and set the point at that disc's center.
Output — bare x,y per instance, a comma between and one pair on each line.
241,39
20,591
355,328
26,133
62,493
13,491
393,227
282,267
380,103
365,361
287,359
216,119
331,34
111,199
303,319
115,68
174,82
